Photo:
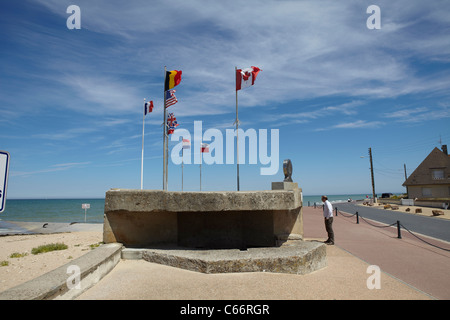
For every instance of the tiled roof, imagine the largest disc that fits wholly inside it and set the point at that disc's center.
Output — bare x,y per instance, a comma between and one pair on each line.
436,160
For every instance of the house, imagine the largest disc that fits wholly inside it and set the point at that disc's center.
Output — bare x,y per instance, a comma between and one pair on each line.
429,184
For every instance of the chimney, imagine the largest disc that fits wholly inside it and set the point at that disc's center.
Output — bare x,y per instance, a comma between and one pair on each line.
444,149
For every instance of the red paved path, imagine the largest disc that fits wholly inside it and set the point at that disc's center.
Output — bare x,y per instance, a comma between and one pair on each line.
411,260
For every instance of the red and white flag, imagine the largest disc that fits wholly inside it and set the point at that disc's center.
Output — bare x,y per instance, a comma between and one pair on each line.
204,148
246,77
186,144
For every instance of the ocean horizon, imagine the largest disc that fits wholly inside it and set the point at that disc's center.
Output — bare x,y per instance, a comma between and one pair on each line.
70,210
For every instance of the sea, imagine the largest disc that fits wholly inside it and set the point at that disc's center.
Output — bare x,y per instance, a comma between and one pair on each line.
54,210
70,210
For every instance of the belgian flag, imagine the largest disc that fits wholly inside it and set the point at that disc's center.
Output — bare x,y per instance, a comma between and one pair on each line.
173,78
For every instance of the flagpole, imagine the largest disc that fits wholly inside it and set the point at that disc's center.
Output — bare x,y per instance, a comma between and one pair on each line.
182,153
164,132
237,135
201,171
167,158
167,139
142,160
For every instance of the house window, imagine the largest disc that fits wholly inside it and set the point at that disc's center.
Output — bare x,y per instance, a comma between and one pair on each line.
426,192
437,174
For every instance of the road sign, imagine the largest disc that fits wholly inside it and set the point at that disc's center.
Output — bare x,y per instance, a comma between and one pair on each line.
4,168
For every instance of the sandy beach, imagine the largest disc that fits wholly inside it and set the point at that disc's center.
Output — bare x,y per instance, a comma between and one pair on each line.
14,271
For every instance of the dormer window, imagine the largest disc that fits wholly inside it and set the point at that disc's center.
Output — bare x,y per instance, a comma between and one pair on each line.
437,174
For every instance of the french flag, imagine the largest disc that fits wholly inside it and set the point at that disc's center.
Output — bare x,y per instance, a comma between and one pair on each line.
246,77
148,107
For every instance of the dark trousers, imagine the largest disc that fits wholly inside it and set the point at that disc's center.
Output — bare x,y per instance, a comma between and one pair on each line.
329,228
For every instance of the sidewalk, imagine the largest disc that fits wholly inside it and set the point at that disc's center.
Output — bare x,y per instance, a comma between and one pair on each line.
410,270
408,259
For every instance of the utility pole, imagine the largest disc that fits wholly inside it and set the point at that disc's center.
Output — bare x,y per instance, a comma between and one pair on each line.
371,172
406,178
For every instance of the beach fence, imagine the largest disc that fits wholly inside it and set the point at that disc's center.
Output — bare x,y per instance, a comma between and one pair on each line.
397,224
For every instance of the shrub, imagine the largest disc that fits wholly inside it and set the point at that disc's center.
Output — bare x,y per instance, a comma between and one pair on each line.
18,255
49,247
95,245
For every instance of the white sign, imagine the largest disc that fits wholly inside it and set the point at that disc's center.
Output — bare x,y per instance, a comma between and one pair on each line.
85,206
4,168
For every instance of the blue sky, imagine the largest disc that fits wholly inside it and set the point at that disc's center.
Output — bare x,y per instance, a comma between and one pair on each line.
71,101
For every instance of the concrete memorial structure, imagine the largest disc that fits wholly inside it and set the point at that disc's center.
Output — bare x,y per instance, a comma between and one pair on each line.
210,220
223,231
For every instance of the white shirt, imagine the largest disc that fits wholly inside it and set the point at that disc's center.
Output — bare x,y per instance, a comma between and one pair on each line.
327,209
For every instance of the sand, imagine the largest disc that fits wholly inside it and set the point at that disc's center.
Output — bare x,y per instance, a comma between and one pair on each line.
20,270
426,211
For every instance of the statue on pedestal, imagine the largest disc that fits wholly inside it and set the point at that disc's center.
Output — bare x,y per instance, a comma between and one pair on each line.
287,169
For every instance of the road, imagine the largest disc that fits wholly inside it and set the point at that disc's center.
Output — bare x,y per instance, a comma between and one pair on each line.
429,226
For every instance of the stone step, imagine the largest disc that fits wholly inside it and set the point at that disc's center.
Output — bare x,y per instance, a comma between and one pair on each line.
294,257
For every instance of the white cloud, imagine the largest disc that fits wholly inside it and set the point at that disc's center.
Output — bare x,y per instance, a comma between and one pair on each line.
306,49
358,124
349,108
405,113
420,114
52,168
104,95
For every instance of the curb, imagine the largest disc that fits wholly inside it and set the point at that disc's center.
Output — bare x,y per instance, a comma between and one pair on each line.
92,267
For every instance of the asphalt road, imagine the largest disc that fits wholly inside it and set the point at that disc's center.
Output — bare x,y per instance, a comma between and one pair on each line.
429,226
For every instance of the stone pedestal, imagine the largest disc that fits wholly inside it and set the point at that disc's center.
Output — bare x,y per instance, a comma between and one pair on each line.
285,186
289,186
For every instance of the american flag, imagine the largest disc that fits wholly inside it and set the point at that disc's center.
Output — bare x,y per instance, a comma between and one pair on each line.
170,98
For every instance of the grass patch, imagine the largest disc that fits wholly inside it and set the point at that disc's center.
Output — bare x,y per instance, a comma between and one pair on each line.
95,245
49,247
4,263
18,255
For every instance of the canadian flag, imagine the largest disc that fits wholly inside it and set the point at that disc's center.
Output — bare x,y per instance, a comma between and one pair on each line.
246,77
204,148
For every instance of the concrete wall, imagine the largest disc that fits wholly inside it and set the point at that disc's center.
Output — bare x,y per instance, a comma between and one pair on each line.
202,219
53,285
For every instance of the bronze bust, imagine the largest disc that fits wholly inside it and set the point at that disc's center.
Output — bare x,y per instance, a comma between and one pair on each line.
287,169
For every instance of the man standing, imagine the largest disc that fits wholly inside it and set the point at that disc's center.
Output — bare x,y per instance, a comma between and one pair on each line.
328,215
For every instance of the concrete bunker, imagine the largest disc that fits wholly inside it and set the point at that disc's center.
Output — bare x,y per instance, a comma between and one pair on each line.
208,220
214,232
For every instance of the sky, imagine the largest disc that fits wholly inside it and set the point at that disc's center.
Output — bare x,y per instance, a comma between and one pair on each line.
71,100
